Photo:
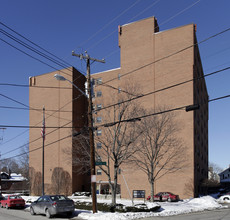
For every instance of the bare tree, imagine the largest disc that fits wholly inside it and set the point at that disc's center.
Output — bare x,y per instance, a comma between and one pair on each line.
214,169
79,154
23,161
9,165
119,138
160,148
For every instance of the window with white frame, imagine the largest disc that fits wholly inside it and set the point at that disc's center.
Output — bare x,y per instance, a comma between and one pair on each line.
99,93
99,119
99,81
99,106
99,171
98,132
99,145
119,76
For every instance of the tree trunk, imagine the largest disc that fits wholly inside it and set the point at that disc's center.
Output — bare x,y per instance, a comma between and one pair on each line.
152,190
114,194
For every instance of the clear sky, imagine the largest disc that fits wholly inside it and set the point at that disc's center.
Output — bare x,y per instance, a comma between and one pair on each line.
63,26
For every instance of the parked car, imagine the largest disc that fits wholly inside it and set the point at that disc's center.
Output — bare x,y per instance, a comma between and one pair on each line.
52,205
13,201
1,197
165,196
225,198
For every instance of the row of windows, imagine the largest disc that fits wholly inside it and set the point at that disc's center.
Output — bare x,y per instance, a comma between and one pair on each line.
98,81
99,93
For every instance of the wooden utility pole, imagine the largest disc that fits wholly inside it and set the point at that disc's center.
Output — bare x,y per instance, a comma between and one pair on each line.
1,138
43,151
91,130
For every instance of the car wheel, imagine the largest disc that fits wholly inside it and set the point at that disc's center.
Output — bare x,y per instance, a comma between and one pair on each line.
32,211
69,214
48,213
226,198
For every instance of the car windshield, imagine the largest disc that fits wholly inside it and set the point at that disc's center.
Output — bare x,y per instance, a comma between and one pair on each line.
58,198
15,197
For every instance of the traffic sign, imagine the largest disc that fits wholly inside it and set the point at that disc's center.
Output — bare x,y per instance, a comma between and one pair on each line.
98,163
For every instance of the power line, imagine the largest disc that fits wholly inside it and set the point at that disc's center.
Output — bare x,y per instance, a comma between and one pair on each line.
158,113
37,148
190,6
97,32
41,120
165,57
126,120
34,140
116,31
30,108
32,48
34,43
30,126
31,56
18,108
57,60
27,86
165,88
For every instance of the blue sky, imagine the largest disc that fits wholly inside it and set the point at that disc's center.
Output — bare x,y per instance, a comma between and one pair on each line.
63,26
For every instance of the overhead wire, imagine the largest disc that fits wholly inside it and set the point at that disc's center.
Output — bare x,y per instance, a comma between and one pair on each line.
157,113
165,88
163,58
29,108
126,120
95,44
46,127
97,32
38,148
34,43
32,48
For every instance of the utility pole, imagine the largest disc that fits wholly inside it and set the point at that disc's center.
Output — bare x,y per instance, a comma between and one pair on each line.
1,139
43,151
91,130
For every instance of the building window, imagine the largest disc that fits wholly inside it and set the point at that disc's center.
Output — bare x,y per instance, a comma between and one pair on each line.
119,76
98,158
99,145
99,106
99,171
99,119
99,93
99,81
119,90
98,132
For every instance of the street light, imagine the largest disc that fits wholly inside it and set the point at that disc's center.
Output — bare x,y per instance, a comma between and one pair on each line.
91,138
62,78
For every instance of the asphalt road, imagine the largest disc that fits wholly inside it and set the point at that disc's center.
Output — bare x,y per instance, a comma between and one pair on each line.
17,214
220,214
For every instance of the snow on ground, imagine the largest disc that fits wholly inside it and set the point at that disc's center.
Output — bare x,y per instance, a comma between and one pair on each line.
167,208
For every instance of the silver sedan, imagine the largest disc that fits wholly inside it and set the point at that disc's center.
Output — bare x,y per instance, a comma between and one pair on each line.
52,205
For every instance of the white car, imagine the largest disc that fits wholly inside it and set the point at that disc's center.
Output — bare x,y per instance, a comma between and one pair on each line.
224,198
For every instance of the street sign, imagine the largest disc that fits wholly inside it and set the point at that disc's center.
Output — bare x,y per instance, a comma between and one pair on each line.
98,163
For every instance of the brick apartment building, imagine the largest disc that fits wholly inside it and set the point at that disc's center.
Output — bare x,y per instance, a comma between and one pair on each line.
150,60
66,109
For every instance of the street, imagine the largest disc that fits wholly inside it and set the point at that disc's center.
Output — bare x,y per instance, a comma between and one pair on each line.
219,214
16,214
